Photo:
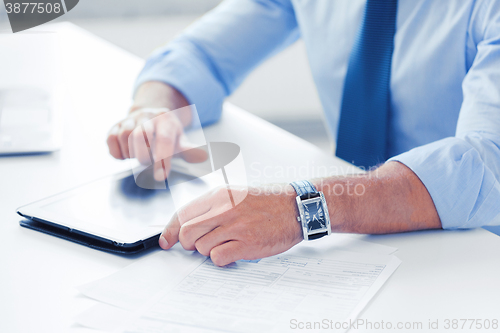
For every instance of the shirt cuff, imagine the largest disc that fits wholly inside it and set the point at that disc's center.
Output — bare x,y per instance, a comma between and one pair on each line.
465,192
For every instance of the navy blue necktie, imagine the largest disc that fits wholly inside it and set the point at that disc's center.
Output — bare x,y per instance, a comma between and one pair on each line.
362,135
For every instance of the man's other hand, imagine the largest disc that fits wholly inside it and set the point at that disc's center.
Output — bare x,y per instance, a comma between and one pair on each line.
150,117
262,225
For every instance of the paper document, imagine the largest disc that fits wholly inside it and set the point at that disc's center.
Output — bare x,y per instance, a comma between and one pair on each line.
247,296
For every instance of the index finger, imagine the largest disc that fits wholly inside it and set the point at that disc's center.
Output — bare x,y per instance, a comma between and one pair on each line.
197,208
166,133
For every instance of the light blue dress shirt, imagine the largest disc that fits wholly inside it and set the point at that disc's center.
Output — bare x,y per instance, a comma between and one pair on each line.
445,82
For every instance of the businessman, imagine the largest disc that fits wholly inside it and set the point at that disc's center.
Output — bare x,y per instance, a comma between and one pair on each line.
412,84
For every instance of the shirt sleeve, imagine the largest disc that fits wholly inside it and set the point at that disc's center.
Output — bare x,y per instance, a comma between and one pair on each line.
462,173
211,58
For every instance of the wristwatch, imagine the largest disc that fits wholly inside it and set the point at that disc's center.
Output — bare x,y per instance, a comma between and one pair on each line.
313,212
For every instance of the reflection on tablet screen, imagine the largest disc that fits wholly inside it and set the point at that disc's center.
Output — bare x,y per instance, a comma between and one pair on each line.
117,204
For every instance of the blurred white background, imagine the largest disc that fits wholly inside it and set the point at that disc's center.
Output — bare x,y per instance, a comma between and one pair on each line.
281,90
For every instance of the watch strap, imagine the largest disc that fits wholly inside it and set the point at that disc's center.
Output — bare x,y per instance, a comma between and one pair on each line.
305,189
318,235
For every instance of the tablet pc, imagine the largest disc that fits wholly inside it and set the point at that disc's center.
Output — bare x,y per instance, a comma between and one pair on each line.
111,214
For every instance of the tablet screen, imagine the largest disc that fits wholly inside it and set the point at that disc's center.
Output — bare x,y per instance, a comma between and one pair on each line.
117,205
114,208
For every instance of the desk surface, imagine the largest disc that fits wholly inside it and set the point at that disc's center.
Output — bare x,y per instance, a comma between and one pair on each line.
444,274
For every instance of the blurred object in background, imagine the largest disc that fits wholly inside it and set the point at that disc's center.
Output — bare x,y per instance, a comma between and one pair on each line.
281,90
30,84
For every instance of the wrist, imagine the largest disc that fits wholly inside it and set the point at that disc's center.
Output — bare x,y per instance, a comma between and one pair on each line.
341,205
280,199
155,94
291,206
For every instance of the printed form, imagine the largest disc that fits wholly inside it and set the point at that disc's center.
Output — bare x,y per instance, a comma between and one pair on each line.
269,294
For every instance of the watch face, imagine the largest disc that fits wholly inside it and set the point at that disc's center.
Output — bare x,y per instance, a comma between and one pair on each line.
314,215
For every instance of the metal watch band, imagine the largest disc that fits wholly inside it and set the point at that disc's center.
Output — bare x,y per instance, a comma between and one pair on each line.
305,188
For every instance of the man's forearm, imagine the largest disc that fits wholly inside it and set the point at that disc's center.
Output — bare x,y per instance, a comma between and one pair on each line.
387,200
390,200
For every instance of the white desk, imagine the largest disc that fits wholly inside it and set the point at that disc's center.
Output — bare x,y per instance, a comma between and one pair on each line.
444,274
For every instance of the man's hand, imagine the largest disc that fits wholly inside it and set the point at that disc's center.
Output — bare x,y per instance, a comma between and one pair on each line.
262,225
150,117
388,200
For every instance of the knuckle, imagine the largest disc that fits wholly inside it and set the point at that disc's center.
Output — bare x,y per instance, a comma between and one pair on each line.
155,111
220,191
186,246
202,248
183,233
184,237
135,110
217,257
168,116
138,135
143,116
123,136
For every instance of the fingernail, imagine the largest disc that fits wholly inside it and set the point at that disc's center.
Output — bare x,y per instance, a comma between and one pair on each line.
163,242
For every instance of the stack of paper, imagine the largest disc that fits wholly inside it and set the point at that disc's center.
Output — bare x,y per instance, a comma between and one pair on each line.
325,282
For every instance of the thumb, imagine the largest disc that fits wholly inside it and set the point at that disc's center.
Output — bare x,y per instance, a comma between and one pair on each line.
170,234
